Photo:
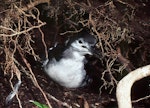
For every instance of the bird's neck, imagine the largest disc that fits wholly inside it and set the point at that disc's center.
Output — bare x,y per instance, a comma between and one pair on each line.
71,54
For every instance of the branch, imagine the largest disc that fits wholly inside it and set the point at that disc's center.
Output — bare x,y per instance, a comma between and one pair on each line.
21,32
33,76
33,4
58,101
123,92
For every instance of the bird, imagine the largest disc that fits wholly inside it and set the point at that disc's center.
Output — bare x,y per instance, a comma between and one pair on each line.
65,62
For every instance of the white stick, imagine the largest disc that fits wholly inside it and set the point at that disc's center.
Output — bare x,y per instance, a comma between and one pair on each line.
123,92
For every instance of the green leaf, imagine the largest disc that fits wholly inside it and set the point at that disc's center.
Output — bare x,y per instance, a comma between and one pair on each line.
39,104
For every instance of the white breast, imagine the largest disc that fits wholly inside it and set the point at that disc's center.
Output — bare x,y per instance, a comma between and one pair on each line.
67,72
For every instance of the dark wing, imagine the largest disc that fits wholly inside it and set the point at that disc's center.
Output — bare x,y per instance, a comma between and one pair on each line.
56,52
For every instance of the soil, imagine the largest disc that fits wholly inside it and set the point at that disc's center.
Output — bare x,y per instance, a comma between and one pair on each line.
77,98
86,97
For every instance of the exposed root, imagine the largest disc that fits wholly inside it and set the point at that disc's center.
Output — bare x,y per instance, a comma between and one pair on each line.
15,34
64,104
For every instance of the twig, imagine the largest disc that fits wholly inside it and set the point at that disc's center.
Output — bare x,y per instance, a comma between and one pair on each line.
43,41
33,4
77,31
21,32
15,23
33,76
13,92
125,3
146,97
59,102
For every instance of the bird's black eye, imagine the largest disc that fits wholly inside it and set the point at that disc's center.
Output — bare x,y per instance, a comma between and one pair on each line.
80,41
